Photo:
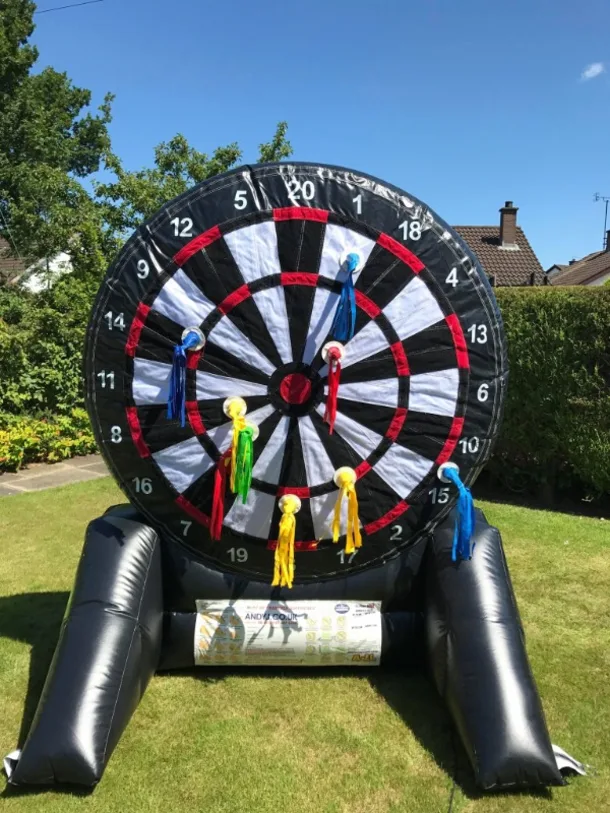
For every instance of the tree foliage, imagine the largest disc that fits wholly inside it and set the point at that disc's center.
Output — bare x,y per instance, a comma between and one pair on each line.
136,196
49,141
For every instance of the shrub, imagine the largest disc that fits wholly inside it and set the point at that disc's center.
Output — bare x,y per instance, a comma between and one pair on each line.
31,440
556,428
41,345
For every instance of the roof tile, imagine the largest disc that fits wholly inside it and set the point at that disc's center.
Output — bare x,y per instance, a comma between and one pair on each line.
510,267
586,270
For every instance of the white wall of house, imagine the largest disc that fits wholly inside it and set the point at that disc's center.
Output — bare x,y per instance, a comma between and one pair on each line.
43,274
600,280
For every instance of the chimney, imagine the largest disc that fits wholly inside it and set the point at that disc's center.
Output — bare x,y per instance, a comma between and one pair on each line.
508,225
608,240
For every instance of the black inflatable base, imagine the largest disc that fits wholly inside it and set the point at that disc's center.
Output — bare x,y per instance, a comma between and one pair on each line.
128,616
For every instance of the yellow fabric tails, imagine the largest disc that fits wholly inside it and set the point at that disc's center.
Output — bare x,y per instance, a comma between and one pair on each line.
283,570
346,478
244,435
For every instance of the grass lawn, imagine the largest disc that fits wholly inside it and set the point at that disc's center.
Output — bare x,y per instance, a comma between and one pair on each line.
306,743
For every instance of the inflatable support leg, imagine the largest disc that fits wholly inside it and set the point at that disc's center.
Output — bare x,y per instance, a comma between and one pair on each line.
479,663
108,649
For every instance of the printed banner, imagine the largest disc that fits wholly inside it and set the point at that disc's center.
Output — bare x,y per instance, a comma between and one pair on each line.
288,633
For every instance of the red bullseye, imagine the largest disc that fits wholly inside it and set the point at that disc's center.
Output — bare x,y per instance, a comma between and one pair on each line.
295,388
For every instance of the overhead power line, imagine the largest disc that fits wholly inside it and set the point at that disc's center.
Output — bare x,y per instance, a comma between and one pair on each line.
72,5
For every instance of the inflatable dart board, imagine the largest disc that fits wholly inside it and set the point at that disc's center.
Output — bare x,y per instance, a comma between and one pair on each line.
244,277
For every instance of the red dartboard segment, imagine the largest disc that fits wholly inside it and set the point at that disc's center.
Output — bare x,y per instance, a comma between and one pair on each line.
136,431
298,546
301,213
197,244
234,299
367,305
402,252
386,519
193,511
404,400
461,351
135,330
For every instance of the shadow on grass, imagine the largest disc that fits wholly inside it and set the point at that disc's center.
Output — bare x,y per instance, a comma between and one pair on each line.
414,698
34,619
411,695
526,495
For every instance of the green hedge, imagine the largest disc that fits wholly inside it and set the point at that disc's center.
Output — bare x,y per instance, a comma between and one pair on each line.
31,440
556,428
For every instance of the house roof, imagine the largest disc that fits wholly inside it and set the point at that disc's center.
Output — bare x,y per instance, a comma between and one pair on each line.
510,266
583,271
11,267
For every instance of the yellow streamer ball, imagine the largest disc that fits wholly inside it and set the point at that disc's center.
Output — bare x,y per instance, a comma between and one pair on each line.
345,478
283,570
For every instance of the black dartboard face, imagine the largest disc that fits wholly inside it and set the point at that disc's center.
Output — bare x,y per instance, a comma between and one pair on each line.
256,260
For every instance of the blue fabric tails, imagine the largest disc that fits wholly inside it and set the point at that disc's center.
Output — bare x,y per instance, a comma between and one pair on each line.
177,384
464,526
345,316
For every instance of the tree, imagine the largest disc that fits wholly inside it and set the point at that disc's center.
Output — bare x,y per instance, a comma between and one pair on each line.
48,144
136,196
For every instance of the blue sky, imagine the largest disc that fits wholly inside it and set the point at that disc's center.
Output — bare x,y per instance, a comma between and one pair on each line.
464,103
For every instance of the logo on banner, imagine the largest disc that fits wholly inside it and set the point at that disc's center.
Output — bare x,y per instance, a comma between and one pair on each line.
341,608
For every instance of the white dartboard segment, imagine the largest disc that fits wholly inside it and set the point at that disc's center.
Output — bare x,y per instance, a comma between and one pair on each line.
150,384
402,470
322,513
362,439
268,467
318,466
210,386
435,393
413,309
380,392
271,303
230,338
183,463
181,301
254,249
253,517
320,322
338,242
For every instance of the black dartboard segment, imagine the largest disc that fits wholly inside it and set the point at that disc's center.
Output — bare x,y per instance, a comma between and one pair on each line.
255,259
